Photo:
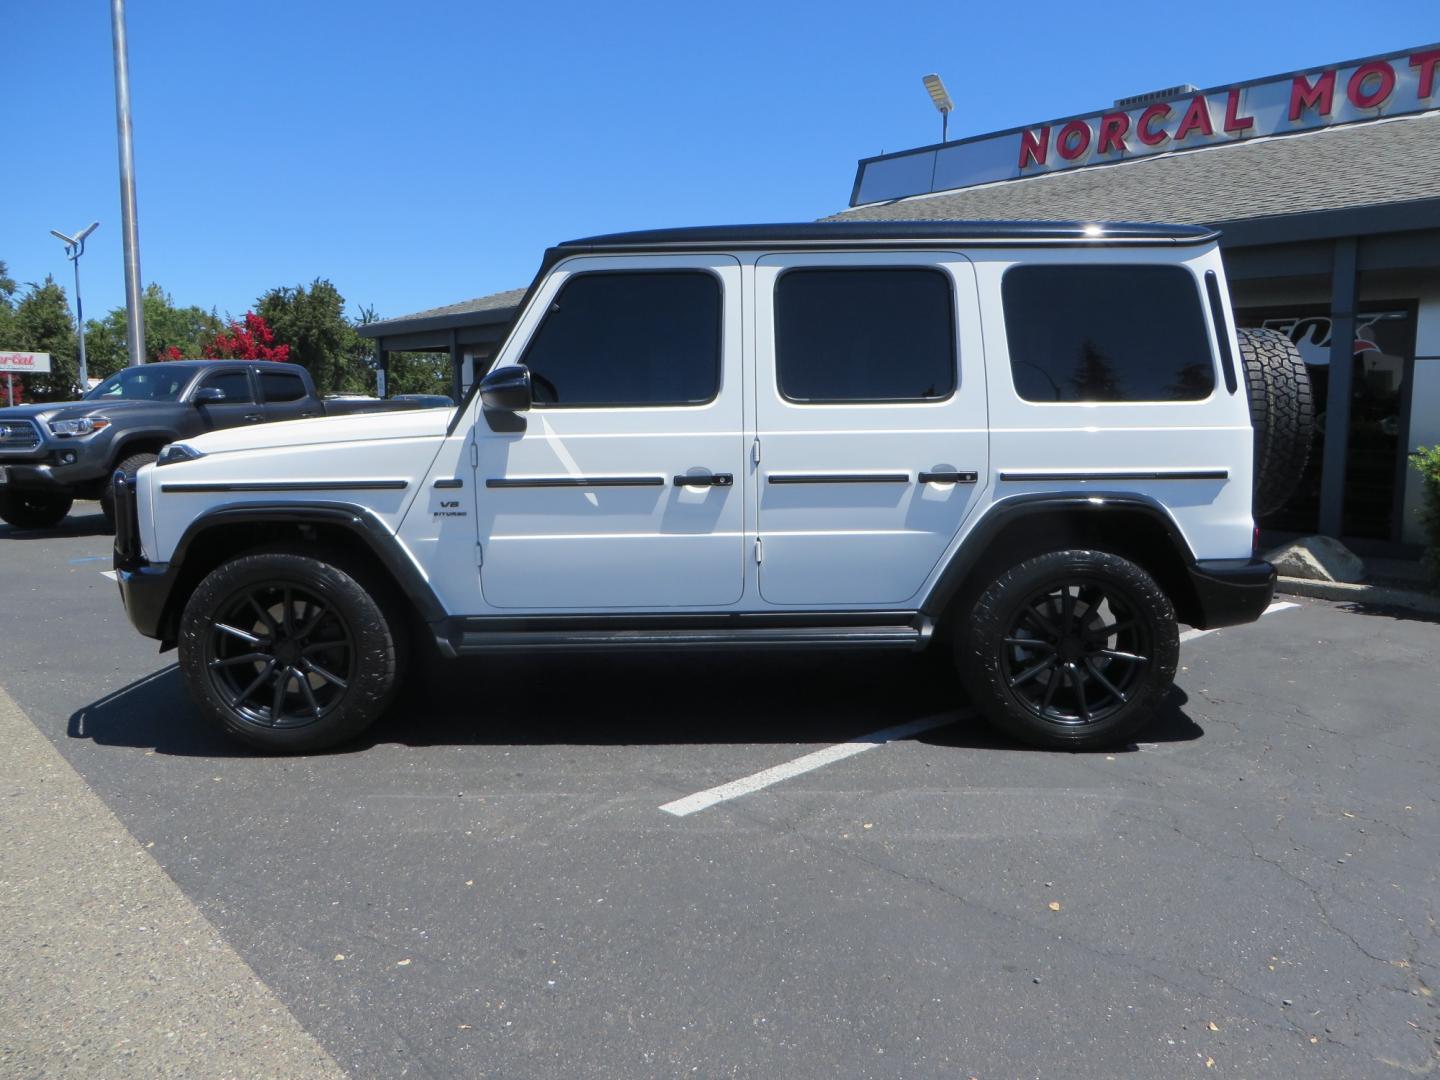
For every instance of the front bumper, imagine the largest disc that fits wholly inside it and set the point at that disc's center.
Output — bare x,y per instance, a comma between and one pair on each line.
1231,591
145,587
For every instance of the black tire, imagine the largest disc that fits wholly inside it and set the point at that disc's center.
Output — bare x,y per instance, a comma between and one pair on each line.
34,509
337,634
131,465
1282,411
1027,671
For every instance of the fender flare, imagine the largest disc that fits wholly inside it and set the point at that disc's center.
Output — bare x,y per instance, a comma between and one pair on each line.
1006,511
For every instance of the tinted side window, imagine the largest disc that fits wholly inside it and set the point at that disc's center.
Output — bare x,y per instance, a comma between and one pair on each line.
278,386
864,335
236,385
1107,333
629,338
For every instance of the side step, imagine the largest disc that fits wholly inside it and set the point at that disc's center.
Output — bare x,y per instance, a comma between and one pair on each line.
482,642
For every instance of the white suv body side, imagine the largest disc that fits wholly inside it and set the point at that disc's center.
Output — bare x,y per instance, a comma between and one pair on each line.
498,545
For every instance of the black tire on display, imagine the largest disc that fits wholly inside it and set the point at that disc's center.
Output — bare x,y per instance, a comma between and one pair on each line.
1069,649
33,509
290,652
130,465
1282,411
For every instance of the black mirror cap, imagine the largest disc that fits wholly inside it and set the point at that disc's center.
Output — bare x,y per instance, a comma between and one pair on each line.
207,395
507,389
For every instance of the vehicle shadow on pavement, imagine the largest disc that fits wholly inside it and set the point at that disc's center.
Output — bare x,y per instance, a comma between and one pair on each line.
77,524
661,699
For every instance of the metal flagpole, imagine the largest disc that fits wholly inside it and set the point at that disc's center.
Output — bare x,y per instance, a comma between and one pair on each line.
129,228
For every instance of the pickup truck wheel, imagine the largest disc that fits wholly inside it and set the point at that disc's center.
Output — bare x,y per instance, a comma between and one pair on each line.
289,652
33,509
130,466
1070,649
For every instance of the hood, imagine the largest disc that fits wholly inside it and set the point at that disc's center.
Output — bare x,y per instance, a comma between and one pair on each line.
71,410
38,411
357,427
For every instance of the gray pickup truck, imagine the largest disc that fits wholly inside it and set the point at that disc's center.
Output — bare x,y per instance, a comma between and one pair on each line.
53,453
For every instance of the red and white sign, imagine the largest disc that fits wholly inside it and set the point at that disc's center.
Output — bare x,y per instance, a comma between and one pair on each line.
1379,86
25,363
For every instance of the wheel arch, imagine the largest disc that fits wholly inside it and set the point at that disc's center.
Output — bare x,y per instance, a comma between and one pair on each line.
227,532
1132,526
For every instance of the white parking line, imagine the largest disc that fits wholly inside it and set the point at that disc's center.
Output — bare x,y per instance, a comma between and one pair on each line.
1279,605
808,763
111,574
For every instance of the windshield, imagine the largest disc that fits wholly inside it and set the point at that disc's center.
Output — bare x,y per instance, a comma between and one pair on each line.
149,383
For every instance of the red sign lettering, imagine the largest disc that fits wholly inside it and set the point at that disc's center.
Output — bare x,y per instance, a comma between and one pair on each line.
1233,120
1320,97
1113,127
1426,62
1034,148
1074,140
1381,78
1196,118
1145,128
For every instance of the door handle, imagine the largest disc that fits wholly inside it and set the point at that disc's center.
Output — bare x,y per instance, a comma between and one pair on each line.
719,479
254,417
948,476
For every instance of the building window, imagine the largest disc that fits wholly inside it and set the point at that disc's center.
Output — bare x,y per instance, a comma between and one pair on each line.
1107,333
864,335
629,338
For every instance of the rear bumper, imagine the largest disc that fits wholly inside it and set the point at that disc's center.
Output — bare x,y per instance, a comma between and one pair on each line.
1231,591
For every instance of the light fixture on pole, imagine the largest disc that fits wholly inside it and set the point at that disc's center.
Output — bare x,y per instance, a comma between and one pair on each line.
74,248
941,97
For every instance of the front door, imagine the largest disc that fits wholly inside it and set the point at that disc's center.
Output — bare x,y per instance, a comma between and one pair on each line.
238,406
620,488
871,417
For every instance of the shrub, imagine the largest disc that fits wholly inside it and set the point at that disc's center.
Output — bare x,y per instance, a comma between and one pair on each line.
1426,460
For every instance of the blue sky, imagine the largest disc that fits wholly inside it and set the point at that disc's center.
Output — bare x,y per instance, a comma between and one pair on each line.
425,152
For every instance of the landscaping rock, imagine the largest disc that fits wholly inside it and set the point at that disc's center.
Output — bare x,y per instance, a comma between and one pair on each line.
1318,558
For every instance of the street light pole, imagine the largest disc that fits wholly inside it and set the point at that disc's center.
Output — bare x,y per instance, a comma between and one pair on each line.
74,248
129,228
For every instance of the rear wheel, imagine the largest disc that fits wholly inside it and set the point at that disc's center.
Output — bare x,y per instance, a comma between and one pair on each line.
1070,649
289,652
34,509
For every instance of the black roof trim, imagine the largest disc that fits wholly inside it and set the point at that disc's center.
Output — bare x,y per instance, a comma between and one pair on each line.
813,234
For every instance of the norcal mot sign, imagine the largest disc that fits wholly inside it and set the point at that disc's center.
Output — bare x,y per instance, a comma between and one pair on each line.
1183,119
25,363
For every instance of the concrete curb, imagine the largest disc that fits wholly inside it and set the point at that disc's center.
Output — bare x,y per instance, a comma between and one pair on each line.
1379,595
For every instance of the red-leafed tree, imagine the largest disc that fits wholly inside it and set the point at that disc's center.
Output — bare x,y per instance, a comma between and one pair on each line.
251,340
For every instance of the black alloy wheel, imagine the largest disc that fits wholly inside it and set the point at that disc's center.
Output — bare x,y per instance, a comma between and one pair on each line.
1075,651
1070,649
279,655
290,650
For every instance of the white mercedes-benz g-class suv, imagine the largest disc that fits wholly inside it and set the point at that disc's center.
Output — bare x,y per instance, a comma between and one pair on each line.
1029,444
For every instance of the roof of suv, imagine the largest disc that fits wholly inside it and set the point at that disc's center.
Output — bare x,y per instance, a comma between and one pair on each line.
828,234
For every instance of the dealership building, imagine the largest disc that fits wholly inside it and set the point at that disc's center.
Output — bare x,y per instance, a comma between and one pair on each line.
1325,185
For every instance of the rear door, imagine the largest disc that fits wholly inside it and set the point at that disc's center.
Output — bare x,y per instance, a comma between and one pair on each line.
285,394
871,422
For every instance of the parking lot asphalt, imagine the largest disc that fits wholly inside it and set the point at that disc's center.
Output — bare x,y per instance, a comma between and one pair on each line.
488,886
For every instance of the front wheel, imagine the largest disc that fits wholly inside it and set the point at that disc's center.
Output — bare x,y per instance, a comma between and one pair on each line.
289,652
1070,649
34,509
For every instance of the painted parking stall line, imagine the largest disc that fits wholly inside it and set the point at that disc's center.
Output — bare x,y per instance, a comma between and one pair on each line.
702,800
1279,605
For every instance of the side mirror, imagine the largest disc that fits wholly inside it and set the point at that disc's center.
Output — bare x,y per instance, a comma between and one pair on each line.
507,389
208,395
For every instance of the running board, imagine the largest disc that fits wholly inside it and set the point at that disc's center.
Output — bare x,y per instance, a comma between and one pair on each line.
470,642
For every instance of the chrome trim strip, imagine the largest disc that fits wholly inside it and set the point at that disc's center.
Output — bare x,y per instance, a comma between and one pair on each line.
574,481
838,478
1062,475
287,485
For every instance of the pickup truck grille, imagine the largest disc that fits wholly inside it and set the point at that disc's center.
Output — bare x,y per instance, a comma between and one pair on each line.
18,435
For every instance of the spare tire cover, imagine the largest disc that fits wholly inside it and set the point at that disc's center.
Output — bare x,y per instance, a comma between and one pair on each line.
1282,411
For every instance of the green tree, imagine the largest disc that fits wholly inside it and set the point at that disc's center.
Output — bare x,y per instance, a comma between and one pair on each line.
41,322
409,372
312,322
185,329
7,306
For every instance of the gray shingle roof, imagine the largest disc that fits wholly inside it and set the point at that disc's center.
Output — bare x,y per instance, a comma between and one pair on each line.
1392,161
499,305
